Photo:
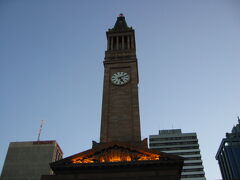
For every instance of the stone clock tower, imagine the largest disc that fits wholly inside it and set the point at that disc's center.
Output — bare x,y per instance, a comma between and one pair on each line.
120,154
120,107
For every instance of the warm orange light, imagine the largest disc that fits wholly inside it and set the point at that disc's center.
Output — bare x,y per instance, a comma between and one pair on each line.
144,158
82,161
116,155
118,158
114,159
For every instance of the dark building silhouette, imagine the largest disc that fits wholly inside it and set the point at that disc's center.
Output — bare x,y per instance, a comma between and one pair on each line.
120,154
228,154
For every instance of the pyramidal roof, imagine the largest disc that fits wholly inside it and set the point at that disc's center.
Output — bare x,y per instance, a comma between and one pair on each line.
121,24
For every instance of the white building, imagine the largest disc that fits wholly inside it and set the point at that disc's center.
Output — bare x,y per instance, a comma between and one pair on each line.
175,142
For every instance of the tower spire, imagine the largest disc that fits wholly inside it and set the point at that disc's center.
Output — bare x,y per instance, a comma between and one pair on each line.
121,24
120,41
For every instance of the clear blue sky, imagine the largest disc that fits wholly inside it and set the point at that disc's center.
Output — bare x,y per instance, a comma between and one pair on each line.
51,55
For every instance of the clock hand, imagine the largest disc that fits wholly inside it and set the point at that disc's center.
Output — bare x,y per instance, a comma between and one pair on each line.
122,76
121,79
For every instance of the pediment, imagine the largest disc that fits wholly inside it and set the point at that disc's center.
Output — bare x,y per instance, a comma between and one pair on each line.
110,153
115,153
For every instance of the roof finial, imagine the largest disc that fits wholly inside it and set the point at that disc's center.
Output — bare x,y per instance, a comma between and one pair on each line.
121,15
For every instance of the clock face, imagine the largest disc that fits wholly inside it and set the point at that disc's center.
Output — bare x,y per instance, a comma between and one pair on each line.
120,78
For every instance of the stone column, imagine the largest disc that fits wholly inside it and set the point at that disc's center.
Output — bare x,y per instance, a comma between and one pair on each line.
122,42
108,43
111,38
117,46
132,42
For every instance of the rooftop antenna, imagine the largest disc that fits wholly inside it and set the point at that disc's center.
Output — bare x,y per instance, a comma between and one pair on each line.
40,130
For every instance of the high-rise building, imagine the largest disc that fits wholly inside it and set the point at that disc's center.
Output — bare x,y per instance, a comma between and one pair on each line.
120,154
29,160
228,154
173,141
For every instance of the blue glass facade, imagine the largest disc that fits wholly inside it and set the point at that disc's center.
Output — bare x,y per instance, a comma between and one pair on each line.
228,155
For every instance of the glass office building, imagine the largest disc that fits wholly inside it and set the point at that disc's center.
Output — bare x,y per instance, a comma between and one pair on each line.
228,154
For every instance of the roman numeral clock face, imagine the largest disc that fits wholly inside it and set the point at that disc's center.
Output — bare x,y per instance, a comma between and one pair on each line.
120,78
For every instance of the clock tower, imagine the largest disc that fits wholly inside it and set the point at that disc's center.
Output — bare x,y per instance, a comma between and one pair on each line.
120,154
120,107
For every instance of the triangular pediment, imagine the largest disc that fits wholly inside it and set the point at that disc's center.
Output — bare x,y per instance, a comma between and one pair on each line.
115,153
112,153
